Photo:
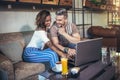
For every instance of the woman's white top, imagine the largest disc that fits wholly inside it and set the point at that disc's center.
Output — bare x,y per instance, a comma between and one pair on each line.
38,39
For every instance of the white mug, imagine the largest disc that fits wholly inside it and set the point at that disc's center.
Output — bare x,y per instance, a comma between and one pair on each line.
59,66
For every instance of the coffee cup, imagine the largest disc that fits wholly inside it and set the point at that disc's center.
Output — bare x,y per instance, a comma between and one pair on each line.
58,67
75,71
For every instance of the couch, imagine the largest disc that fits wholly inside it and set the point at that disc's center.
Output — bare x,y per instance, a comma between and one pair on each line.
11,49
111,35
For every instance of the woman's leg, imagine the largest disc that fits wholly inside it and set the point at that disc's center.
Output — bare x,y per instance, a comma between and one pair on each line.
46,55
52,55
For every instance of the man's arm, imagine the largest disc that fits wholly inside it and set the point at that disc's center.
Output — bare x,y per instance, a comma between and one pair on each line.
70,51
56,43
60,53
54,38
74,38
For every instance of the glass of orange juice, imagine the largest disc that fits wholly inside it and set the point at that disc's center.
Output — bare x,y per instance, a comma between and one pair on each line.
64,62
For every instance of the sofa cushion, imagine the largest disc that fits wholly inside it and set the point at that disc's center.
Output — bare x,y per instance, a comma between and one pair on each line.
25,69
7,66
13,50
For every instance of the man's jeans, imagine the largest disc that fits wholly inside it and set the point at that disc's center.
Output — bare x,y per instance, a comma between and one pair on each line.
71,45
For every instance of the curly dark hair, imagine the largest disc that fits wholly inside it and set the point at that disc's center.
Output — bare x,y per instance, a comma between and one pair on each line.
40,18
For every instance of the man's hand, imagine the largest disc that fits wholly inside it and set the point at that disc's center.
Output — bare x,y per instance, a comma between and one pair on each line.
64,55
71,52
61,30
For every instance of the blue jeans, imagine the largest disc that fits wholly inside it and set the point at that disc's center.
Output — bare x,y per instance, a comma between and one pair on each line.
71,45
36,55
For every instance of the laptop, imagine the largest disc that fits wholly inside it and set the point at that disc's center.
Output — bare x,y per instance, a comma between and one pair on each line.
87,51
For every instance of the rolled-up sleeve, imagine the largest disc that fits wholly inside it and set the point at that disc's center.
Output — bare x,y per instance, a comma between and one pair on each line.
53,31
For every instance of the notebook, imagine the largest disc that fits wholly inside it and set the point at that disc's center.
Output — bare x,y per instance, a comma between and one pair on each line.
87,51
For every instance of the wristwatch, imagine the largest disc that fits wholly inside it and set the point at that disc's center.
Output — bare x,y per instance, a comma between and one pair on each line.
66,50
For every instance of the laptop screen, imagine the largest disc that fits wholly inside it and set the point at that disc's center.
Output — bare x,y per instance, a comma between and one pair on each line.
88,51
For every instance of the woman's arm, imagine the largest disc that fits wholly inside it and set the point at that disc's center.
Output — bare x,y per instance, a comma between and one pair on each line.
60,53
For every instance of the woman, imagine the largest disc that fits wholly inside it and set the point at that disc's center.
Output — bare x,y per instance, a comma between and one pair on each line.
36,50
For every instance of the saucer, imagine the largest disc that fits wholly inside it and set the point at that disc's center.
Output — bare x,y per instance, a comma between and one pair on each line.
55,70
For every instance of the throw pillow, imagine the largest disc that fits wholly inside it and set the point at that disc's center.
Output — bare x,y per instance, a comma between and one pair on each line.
13,50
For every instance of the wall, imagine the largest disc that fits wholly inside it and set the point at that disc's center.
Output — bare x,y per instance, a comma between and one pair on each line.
98,18
16,21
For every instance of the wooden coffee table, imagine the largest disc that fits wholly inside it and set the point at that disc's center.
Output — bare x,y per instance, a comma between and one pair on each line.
51,75
94,71
60,77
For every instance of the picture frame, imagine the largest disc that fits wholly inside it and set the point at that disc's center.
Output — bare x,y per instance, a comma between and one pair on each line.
30,1
52,2
8,0
65,2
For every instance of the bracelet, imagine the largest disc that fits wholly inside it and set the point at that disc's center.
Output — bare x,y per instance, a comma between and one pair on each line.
66,50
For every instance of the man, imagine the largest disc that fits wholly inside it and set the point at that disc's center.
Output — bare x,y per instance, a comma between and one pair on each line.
64,34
